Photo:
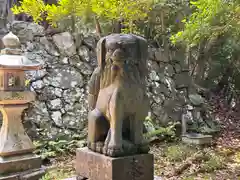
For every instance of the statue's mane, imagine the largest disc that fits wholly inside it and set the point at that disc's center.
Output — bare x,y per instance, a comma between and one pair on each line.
132,73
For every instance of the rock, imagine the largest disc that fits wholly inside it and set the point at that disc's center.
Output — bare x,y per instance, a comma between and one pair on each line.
65,43
156,109
65,78
84,52
177,68
189,107
58,92
196,99
160,56
55,104
49,46
37,85
47,93
169,82
29,46
154,76
161,89
65,60
90,41
169,71
83,67
151,54
57,118
159,98
26,31
38,114
183,80
153,65
73,95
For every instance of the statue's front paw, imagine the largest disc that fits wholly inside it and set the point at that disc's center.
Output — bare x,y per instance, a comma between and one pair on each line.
99,147
114,151
96,146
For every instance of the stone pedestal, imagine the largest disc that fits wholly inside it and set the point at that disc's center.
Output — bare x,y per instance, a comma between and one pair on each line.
17,160
21,167
16,157
95,166
196,138
13,139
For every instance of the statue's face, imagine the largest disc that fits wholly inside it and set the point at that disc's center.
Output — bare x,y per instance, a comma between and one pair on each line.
119,51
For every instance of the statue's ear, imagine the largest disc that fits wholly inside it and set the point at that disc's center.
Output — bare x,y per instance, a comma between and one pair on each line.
101,52
143,48
143,55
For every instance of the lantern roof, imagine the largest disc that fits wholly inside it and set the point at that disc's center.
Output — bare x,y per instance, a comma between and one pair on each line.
11,56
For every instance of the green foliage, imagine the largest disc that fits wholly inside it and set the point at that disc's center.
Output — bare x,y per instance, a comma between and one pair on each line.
35,8
162,132
179,152
154,131
57,174
213,163
87,10
209,19
59,146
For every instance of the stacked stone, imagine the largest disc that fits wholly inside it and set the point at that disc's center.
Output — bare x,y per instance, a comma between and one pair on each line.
69,60
173,95
61,86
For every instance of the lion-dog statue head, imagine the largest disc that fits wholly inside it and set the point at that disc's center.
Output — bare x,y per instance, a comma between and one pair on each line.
117,96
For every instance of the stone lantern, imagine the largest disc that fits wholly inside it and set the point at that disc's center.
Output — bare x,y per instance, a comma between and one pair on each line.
16,148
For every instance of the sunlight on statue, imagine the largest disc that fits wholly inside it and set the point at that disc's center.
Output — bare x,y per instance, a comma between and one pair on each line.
117,96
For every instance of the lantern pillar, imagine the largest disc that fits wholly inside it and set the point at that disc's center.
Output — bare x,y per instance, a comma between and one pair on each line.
17,160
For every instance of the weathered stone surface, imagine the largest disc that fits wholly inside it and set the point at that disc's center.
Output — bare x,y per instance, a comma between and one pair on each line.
19,164
49,46
34,174
95,166
168,70
160,56
198,139
65,43
68,65
84,53
81,178
183,80
27,31
196,99
65,78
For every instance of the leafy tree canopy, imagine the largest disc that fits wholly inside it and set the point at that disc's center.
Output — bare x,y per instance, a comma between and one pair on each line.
110,10
210,19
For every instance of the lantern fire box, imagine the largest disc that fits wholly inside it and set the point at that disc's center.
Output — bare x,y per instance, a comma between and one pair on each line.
17,160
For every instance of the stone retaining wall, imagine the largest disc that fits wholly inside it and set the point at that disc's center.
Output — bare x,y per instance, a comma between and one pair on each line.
69,60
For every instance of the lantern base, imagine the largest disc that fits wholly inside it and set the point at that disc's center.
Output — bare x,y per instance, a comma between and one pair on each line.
34,174
17,167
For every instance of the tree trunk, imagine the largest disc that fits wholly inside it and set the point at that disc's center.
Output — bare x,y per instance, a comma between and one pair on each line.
98,27
117,27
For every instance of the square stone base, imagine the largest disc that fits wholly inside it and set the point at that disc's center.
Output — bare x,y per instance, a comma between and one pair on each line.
200,139
95,166
26,166
34,174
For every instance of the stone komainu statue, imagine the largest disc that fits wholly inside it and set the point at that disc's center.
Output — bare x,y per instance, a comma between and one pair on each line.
117,96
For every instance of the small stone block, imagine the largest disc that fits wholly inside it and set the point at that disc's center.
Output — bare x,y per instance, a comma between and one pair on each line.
95,166
17,164
199,140
34,174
